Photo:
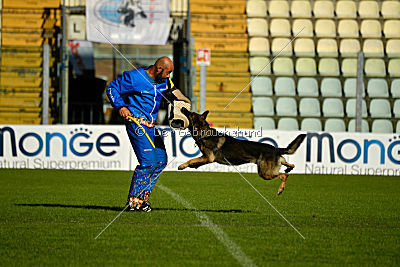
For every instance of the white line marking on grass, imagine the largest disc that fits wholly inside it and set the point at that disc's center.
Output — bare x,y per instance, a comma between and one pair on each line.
266,200
232,247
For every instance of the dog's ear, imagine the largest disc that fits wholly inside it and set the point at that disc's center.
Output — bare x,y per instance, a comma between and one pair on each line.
204,115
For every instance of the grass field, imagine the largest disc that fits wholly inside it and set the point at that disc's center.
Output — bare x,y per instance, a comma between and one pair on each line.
51,217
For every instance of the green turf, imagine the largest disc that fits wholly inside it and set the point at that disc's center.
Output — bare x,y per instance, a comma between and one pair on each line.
51,217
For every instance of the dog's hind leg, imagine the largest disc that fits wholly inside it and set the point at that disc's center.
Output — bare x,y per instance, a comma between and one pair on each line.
268,170
283,177
288,165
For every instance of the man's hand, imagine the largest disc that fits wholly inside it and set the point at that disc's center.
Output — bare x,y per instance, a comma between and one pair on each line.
124,112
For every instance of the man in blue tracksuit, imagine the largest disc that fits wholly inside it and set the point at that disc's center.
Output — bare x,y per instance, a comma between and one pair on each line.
137,96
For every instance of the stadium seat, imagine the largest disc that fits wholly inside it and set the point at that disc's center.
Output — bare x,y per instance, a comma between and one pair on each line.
368,9
380,108
309,107
348,28
284,86
311,124
390,9
261,86
257,27
331,87
328,67
260,65
377,88
334,125
256,9
288,124
382,126
349,67
346,9
391,29
263,106
375,67
281,43
349,47
396,108
364,126
373,48
303,25
286,106
371,29
332,107
325,28
393,48
304,47
350,88
306,67
398,127
278,9
395,88
323,9
351,108
258,46
280,28
262,123
394,68
300,9
307,87
327,48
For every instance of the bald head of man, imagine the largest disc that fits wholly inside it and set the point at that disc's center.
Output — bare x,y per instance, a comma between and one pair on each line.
161,70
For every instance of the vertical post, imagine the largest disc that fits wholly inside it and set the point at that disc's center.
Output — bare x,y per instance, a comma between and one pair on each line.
360,88
203,79
45,84
64,67
203,59
189,54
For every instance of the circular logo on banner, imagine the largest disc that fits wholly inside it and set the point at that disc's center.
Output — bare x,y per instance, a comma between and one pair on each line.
117,12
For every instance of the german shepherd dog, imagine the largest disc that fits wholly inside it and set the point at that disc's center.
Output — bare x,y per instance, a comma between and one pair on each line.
224,149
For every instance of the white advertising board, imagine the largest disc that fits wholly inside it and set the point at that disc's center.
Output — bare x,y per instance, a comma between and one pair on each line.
108,148
81,147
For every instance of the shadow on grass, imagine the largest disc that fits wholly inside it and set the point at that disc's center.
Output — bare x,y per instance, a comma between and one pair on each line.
94,207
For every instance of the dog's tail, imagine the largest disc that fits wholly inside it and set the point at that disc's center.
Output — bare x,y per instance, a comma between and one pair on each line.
294,145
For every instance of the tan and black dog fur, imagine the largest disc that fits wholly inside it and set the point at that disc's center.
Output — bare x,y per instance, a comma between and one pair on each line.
224,149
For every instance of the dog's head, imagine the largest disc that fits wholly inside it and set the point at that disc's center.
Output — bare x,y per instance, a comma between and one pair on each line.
196,121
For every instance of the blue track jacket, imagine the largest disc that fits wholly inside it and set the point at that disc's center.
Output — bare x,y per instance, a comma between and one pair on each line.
137,91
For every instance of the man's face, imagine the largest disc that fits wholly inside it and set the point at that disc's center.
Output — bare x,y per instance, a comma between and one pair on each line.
163,73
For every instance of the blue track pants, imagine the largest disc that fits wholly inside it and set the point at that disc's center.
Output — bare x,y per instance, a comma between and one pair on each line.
151,160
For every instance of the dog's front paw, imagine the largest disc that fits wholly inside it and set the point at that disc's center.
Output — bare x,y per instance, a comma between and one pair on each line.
182,166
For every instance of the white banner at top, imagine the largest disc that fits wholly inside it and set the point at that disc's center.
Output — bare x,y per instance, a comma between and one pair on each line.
128,21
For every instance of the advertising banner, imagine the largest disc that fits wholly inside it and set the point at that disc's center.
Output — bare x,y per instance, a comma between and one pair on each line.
108,148
80,147
128,21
